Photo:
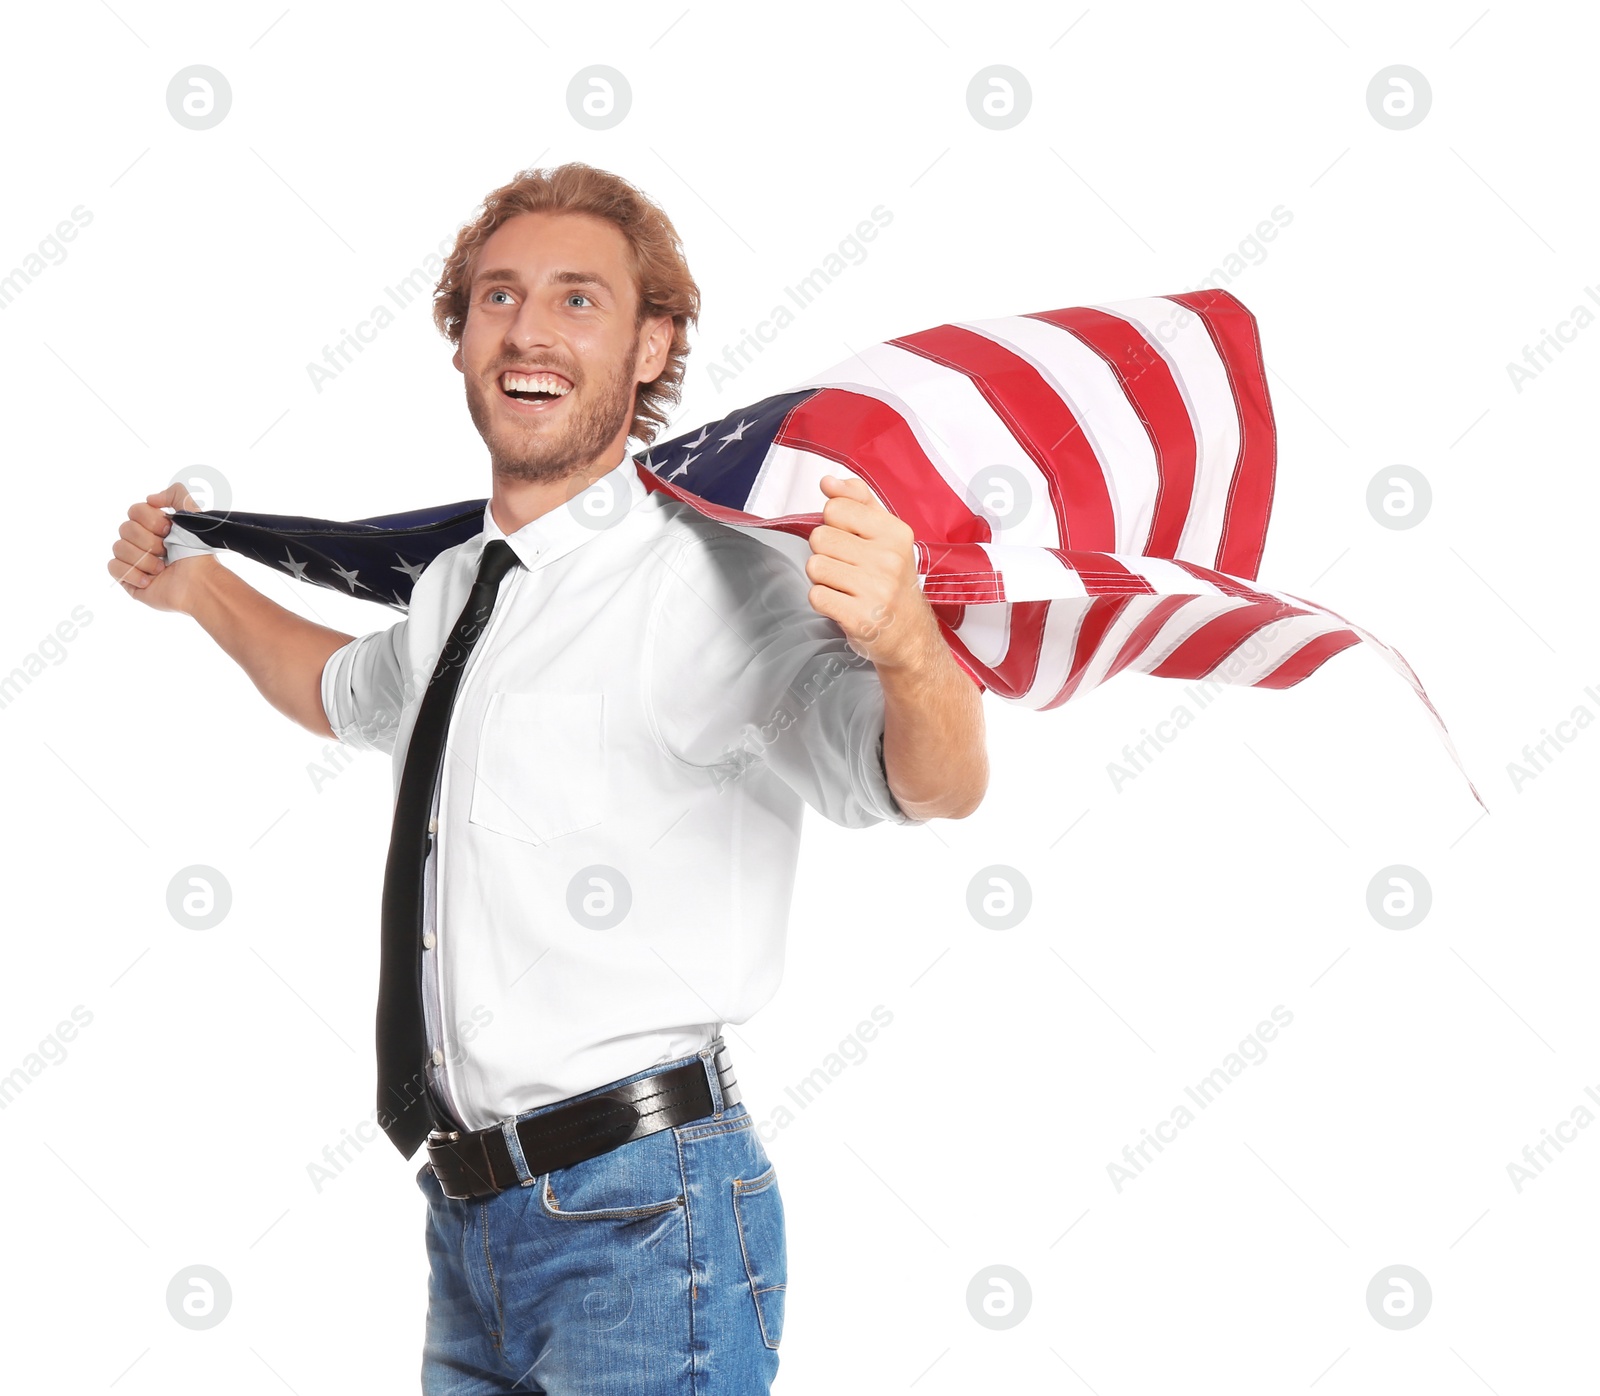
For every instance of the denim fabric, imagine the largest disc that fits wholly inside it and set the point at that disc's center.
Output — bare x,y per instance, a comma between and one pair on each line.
657,1268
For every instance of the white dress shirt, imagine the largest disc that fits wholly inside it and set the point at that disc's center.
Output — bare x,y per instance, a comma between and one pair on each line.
618,816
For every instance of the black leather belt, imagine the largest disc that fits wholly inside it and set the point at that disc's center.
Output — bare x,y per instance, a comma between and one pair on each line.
478,1164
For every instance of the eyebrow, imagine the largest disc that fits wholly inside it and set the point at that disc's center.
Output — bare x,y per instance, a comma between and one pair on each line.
556,278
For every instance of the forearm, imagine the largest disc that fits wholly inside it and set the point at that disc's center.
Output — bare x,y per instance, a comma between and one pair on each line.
283,653
933,736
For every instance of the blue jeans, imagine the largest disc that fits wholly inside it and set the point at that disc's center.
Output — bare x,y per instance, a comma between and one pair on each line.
658,1267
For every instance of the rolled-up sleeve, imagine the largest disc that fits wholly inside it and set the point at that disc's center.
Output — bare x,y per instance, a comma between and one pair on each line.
363,689
864,742
742,670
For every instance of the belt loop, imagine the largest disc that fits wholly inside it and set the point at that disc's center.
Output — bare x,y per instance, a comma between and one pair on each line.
514,1148
707,1057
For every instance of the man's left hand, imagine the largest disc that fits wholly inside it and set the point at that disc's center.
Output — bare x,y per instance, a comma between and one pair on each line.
863,567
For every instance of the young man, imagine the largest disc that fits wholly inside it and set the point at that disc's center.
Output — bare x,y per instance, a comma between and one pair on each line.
606,713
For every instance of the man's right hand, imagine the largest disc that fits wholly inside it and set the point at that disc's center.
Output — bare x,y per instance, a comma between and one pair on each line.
139,556
283,653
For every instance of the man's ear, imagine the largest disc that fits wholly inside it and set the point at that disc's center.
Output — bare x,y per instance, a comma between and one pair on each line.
455,358
655,342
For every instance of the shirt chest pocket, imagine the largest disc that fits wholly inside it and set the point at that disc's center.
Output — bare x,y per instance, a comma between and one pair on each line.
541,769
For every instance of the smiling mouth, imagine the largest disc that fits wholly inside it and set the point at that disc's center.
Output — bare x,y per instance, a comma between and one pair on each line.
534,391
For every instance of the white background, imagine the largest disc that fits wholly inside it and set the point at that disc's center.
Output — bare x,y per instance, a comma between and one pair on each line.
1230,877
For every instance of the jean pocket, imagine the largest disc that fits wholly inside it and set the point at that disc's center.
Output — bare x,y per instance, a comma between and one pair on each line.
541,765
641,1178
758,1212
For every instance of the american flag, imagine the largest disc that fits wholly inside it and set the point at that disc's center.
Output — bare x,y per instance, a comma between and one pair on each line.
1089,489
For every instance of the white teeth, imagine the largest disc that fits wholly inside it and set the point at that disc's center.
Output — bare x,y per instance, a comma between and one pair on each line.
535,383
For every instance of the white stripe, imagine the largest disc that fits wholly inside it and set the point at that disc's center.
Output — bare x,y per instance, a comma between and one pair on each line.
790,482
1179,335
955,427
1111,642
1168,578
1109,424
1253,658
986,631
1057,646
1180,625
1264,651
181,543
1032,574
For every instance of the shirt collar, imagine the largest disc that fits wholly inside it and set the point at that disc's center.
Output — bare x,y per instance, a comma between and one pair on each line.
607,500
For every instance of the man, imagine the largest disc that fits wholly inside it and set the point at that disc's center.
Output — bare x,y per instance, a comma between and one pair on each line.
625,706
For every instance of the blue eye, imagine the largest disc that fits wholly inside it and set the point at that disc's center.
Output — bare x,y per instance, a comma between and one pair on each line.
577,295
493,294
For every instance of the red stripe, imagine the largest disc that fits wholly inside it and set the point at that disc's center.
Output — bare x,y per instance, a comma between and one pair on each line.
949,614
1041,423
798,524
1228,586
1219,637
1244,527
1135,645
1098,618
1152,392
1014,675
1146,631
873,440
959,572
1308,659
1102,574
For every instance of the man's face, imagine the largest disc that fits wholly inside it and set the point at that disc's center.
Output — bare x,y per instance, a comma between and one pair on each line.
550,351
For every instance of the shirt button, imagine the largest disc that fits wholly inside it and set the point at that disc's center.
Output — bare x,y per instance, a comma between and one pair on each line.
433,825
427,940
438,1057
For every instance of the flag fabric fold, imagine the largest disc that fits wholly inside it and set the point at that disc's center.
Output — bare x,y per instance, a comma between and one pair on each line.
1089,488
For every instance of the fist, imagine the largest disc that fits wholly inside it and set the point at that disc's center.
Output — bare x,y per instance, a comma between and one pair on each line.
139,556
863,567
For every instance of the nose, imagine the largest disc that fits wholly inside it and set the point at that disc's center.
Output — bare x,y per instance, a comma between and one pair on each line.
532,328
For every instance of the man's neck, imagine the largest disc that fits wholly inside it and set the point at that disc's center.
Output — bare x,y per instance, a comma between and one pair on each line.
514,503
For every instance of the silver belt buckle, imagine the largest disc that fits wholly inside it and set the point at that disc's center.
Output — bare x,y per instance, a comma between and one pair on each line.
437,1138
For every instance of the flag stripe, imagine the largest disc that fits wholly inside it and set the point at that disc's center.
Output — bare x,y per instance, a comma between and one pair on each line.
1152,398
956,432
877,443
1094,643
1019,668
1103,574
1042,425
1191,355
1244,530
1144,634
1306,660
1209,646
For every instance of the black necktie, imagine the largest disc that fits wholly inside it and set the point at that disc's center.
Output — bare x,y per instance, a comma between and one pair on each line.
406,1109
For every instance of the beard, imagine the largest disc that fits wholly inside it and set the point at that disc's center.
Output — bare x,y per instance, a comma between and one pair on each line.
533,451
